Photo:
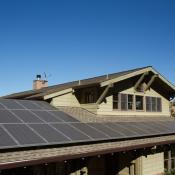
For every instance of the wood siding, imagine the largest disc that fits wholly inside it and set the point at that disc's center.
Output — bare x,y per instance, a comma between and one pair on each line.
106,108
65,100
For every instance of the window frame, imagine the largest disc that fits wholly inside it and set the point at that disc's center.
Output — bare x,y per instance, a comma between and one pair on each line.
143,109
156,104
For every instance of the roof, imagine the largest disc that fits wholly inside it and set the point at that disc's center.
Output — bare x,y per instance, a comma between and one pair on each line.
100,80
28,132
29,124
43,156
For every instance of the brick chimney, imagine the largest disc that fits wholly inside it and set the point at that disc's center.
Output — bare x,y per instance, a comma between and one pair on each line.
39,83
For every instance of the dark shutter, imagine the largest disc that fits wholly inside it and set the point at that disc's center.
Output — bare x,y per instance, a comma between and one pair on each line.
148,104
115,101
123,101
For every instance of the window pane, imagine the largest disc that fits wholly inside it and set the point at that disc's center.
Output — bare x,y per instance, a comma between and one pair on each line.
148,104
139,102
115,101
89,97
159,105
123,101
153,104
130,102
166,164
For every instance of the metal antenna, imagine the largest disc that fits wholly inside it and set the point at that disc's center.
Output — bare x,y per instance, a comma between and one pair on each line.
46,76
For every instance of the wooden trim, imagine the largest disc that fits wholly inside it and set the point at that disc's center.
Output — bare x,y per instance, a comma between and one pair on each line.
105,83
115,80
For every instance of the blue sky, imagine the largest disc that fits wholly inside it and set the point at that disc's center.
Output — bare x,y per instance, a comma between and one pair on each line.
75,39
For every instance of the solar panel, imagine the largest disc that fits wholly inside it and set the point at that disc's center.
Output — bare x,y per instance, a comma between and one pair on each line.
29,104
44,105
27,116
46,116
48,133
10,104
8,117
145,127
5,139
1,106
107,130
62,116
23,134
26,123
73,133
132,126
90,131
126,132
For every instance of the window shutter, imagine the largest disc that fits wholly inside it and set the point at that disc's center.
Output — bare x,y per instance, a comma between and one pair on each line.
123,101
148,104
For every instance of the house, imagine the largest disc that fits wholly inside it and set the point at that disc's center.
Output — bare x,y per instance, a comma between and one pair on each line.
112,124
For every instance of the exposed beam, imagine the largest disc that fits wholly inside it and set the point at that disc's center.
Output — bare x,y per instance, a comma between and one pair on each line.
100,99
150,82
140,81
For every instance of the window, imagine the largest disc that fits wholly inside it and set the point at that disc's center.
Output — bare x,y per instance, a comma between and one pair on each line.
116,101
153,104
139,102
89,97
126,102
123,101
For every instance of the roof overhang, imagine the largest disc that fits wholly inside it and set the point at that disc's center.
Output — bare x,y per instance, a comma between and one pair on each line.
139,72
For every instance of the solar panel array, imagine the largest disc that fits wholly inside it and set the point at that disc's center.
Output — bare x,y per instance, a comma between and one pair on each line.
26,123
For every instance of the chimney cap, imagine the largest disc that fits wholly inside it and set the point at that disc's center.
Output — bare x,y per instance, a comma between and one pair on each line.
38,76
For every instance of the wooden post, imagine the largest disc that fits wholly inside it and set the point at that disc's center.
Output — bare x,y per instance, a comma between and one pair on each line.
150,82
140,80
104,94
169,161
